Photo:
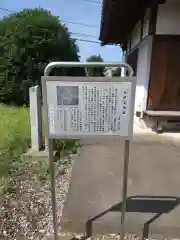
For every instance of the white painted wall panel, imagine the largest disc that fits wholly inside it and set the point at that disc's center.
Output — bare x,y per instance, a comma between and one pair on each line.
168,19
136,35
143,73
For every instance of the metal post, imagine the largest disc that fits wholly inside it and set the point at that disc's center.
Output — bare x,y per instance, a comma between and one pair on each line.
124,187
53,187
50,141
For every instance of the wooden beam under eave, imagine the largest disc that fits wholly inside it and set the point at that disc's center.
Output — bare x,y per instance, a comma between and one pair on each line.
153,18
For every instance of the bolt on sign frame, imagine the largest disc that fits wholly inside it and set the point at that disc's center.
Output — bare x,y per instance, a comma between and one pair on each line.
88,108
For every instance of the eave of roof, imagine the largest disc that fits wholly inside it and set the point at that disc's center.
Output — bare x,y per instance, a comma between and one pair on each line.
118,17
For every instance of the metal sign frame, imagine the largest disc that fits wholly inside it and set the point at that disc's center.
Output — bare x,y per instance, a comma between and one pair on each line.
90,80
50,140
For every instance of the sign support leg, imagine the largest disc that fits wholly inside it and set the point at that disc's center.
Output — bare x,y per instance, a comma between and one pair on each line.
53,187
124,189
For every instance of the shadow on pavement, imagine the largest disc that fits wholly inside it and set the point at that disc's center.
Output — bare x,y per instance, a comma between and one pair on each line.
141,204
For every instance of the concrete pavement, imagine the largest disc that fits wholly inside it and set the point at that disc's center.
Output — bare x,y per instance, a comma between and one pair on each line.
93,203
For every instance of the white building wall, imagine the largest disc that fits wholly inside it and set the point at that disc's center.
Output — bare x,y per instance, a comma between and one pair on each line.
168,19
144,61
143,74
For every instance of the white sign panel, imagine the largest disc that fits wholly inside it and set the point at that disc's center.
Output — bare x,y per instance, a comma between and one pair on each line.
79,109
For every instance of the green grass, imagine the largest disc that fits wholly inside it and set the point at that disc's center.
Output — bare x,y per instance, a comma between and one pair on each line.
14,128
15,140
14,132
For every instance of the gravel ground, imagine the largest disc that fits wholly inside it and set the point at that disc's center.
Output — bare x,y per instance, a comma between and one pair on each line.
101,237
27,214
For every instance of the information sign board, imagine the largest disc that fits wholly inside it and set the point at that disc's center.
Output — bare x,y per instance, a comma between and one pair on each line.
89,107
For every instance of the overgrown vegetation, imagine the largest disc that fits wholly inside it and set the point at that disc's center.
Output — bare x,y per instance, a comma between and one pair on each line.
15,136
30,39
15,140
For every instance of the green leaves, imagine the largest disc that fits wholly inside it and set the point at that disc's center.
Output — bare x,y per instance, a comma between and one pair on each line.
29,40
97,71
